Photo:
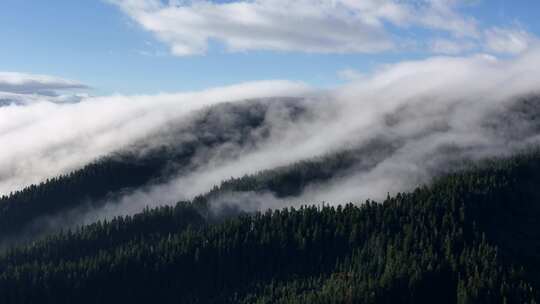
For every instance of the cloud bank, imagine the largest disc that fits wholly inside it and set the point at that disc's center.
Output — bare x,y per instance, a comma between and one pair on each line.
46,139
21,83
21,88
321,26
438,113
435,112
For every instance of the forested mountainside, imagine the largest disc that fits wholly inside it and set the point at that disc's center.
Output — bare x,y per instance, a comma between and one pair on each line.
180,148
469,237
209,134
270,152
22,210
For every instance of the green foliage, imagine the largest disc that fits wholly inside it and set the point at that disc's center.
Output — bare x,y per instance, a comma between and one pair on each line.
451,242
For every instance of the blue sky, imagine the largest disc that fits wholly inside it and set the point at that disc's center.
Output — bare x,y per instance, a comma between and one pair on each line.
105,46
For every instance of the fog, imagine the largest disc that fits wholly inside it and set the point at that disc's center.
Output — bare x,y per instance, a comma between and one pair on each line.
44,139
437,112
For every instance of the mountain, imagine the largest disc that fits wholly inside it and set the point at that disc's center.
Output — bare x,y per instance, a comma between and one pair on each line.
226,132
27,213
470,237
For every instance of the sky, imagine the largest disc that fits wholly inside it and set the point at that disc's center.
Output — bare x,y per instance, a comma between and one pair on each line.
80,80
104,47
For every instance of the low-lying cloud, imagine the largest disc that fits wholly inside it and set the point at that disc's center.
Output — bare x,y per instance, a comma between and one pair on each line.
22,89
46,139
438,112
20,83
435,112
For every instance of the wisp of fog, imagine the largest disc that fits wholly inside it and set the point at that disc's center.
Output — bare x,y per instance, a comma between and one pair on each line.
45,139
436,112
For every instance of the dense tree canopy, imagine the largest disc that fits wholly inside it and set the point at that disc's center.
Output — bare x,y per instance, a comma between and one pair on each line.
470,237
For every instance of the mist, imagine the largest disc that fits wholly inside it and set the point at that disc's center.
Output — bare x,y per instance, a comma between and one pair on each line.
46,138
437,114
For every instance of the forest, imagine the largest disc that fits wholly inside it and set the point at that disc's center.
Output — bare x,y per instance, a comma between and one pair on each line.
23,212
468,237
270,152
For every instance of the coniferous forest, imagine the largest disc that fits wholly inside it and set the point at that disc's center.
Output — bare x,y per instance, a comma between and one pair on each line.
468,237
270,152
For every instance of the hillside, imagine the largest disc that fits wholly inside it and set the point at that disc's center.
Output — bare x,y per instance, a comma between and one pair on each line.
224,133
469,237
270,152
27,213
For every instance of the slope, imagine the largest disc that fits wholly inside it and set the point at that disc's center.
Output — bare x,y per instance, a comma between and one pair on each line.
453,241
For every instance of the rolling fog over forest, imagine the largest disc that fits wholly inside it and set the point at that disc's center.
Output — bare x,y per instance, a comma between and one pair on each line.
269,151
408,122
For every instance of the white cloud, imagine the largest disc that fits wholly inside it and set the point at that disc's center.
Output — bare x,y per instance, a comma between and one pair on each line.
350,74
432,104
20,83
320,26
45,139
423,107
513,40
450,47
442,15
